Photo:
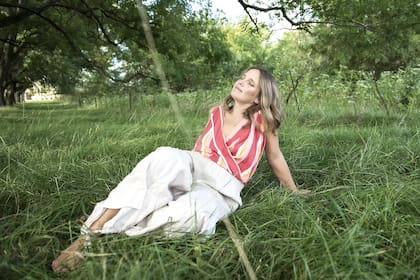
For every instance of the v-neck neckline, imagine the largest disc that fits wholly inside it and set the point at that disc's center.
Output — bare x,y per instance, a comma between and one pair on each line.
234,130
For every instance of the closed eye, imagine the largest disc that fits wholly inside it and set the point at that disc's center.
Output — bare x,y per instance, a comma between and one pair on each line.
250,82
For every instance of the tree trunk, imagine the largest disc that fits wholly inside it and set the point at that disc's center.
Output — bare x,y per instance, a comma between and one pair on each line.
351,94
293,91
130,100
3,75
10,94
2,100
8,55
6,69
379,94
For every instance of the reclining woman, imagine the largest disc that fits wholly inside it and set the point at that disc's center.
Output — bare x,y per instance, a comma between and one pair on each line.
183,191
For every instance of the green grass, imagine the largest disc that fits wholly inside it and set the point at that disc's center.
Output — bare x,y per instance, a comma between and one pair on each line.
361,220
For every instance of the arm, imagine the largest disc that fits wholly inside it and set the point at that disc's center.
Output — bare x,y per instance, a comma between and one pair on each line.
278,163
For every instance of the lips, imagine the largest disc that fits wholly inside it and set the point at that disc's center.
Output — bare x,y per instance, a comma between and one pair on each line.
238,89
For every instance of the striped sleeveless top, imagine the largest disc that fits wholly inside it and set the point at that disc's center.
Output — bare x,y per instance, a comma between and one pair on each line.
240,152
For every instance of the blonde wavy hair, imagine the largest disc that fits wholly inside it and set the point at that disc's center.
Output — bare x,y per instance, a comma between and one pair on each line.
269,104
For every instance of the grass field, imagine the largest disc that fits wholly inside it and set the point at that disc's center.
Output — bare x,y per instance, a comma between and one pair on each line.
361,220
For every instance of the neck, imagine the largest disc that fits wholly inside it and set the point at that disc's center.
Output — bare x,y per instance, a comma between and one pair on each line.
238,110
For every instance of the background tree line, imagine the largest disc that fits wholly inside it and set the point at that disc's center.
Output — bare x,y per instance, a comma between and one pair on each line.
91,47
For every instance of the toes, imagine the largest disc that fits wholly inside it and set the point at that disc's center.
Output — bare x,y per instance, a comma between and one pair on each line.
65,261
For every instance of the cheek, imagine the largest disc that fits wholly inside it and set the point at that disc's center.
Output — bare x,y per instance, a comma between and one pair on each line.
254,92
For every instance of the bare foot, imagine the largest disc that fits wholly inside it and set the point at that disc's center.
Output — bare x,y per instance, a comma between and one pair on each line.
70,257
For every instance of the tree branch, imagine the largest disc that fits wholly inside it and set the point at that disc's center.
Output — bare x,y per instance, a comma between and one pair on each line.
298,24
26,12
89,13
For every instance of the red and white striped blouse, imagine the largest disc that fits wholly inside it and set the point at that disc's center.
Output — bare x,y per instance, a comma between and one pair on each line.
240,152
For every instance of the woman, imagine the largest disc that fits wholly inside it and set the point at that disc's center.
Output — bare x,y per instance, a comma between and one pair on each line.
190,191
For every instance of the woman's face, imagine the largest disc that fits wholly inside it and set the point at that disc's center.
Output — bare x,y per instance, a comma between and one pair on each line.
246,89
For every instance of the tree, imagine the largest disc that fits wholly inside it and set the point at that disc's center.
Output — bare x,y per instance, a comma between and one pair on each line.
295,12
291,61
58,40
52,41
248,46
192,44
371,36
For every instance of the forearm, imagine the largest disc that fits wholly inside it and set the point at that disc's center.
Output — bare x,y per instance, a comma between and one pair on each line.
282,172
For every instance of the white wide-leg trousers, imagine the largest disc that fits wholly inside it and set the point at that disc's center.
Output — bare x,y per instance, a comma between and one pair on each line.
171,189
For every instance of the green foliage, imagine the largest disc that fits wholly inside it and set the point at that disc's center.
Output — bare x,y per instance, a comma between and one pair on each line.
401,90
349,41
192,45
359,222
54,46
102,44
248,46
372,36
95,48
